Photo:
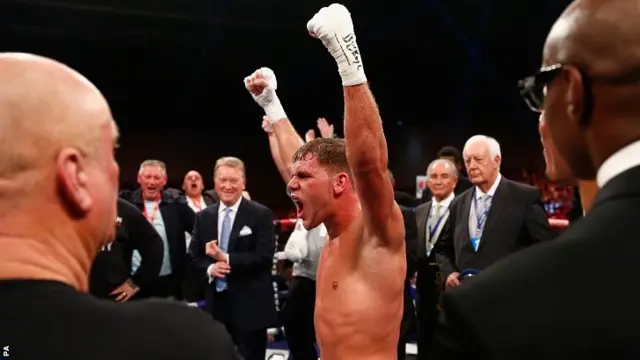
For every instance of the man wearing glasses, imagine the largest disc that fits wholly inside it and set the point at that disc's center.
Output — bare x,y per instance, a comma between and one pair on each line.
572,298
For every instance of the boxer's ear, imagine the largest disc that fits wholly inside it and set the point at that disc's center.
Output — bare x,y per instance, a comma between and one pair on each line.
340,183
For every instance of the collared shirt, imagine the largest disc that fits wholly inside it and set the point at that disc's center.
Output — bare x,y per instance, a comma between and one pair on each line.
473,217
444,203
621,161
492,189
232,216
196,206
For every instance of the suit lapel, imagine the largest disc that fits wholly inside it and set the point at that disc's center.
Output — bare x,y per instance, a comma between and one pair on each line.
422,213
215,209
465,207
499,204
445,217
238,223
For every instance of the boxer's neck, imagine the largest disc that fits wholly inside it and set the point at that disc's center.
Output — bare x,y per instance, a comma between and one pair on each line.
346,212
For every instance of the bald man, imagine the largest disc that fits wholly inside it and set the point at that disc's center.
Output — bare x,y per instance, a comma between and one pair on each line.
575,297
58,191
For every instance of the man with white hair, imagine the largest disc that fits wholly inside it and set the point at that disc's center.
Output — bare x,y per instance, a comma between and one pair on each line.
433,224
491,220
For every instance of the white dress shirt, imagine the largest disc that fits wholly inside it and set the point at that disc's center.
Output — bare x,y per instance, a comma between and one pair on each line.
473,217
621,161
232,216
197,206
444,209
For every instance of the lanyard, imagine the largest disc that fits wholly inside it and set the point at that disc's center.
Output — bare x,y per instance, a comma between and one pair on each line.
432,230
481,218
154,214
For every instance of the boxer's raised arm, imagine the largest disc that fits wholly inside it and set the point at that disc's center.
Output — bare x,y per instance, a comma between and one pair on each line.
364,138
368,159
262,85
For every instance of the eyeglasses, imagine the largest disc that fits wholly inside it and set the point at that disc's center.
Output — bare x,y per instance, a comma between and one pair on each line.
532,88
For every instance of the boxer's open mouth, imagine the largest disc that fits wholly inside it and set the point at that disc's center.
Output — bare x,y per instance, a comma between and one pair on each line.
299,209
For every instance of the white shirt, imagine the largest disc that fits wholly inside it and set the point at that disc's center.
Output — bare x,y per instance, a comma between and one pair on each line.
196,206
492,189
232,216
444,203
444,208
621,161
473,217
303,248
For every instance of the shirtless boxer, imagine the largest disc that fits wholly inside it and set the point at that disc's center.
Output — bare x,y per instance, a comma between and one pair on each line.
344,184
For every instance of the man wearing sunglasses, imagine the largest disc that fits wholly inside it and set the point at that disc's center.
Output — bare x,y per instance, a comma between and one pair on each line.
573,298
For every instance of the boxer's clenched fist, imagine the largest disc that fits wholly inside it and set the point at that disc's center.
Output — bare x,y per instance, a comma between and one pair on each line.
262,86
334,27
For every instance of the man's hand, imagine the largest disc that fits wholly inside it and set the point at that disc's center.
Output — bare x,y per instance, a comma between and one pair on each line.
334,27
309,135
326,130
213,251
262,86
219,270
452,280
266,125
125,291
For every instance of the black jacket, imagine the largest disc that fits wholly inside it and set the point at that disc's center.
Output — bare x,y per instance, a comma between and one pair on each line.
112,265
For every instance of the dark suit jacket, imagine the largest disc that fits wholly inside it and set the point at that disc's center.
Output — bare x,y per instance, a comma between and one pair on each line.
178,218
112,265
572,298
515,221
462,186
251,259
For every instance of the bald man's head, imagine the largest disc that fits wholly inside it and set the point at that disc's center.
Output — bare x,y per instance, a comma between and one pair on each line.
591,81
56,144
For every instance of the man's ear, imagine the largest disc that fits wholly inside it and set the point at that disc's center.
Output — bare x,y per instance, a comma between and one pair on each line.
73,181
340,183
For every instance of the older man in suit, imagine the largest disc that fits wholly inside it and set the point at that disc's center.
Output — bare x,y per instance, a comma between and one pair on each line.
494,218
432,218
233,241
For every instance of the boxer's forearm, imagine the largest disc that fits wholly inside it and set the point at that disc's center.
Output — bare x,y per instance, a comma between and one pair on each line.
366,145
288,143
277,159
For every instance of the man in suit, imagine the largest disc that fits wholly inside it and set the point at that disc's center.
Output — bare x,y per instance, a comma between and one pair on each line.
452,154
233,242
408,314
433,224
171,218
572,298
491,220
110,275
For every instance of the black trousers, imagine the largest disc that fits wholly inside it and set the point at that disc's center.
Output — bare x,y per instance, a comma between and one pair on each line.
162,287
297,317
428,296
251,345
407,324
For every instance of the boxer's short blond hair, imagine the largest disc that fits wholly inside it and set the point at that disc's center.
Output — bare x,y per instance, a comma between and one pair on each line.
330,153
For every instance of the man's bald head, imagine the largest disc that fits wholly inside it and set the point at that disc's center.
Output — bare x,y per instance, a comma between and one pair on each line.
600,37
57,139
592,82
45,106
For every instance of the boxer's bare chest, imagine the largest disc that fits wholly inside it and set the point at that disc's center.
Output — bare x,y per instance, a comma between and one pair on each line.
359,285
